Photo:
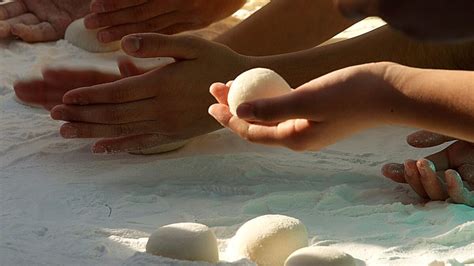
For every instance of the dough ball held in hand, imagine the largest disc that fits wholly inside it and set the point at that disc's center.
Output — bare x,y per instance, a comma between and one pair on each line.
184,241
78,35
254,84
322,256
268,240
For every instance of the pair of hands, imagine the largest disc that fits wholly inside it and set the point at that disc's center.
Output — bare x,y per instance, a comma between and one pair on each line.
47,20
325,110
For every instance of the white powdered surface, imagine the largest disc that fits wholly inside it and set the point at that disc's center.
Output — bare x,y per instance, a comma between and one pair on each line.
61,205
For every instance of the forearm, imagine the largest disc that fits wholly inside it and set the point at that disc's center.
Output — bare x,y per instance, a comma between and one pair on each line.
284,26
383,44
441,101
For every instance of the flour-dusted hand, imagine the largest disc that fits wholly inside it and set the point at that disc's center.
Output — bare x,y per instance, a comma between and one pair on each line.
168,17
446,174
313,116
39,20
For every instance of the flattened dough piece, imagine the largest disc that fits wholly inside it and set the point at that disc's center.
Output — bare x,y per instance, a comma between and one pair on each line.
162,148
320,256
78,35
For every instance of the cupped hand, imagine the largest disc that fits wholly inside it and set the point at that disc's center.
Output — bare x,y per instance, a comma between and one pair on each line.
313,116
157,107
446,174
39,20
423,19
167,17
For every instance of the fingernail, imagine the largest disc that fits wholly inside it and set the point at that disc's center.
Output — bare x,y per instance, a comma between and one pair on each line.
69,131
105,36
57,115
132,43
246,111
99,149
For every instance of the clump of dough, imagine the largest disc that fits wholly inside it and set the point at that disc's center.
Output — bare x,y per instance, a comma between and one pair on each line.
320,256
184,241
162,148
78,35
268,240
257,83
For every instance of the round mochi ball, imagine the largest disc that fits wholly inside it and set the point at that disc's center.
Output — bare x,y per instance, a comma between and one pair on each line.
268,240
162,148
78,35
184,241
320,256
257,83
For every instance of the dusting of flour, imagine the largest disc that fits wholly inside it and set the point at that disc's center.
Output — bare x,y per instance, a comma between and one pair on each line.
61,205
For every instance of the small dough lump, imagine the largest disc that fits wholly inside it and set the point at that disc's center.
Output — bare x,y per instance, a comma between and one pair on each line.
162,148
184,241
78,35
320,256
268,240
257,83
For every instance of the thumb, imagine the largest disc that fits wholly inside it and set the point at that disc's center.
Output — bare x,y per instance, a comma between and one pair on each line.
148,45
277,109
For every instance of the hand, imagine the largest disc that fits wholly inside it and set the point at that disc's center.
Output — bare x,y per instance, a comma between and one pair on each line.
439,176
157,107
314,115
167,17
39,20
424,19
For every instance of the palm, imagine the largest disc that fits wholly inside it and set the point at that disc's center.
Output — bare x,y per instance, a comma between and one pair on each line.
40,20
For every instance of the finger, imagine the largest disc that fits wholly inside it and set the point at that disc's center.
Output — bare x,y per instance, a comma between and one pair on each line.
132,14
38,92
432,184
41,32
413,178
156,24
27,19
106,113
121,91
156,45
85,130
456,190
128,68
394,171
100,6
425,139
220,91
12,9
131,143
467,173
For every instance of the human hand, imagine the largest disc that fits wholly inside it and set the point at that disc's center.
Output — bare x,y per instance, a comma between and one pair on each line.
438,176
315,115
423,19
39,20
167,17
160,106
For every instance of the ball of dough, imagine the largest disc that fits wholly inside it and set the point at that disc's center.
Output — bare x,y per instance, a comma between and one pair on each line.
162,148
268,240
319,256
257,83
184,241
78,35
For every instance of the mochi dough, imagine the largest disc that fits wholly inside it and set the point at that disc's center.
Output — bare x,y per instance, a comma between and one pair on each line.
257,83
184,241
162,148
78,35
319,256
268,240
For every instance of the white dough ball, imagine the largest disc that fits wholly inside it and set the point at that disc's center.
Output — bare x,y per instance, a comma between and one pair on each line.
320,256
268,240
78,35
162,148
184,241
257,83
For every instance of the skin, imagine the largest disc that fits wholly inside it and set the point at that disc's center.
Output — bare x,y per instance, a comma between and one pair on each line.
385,93
168,17
421,19
39,20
